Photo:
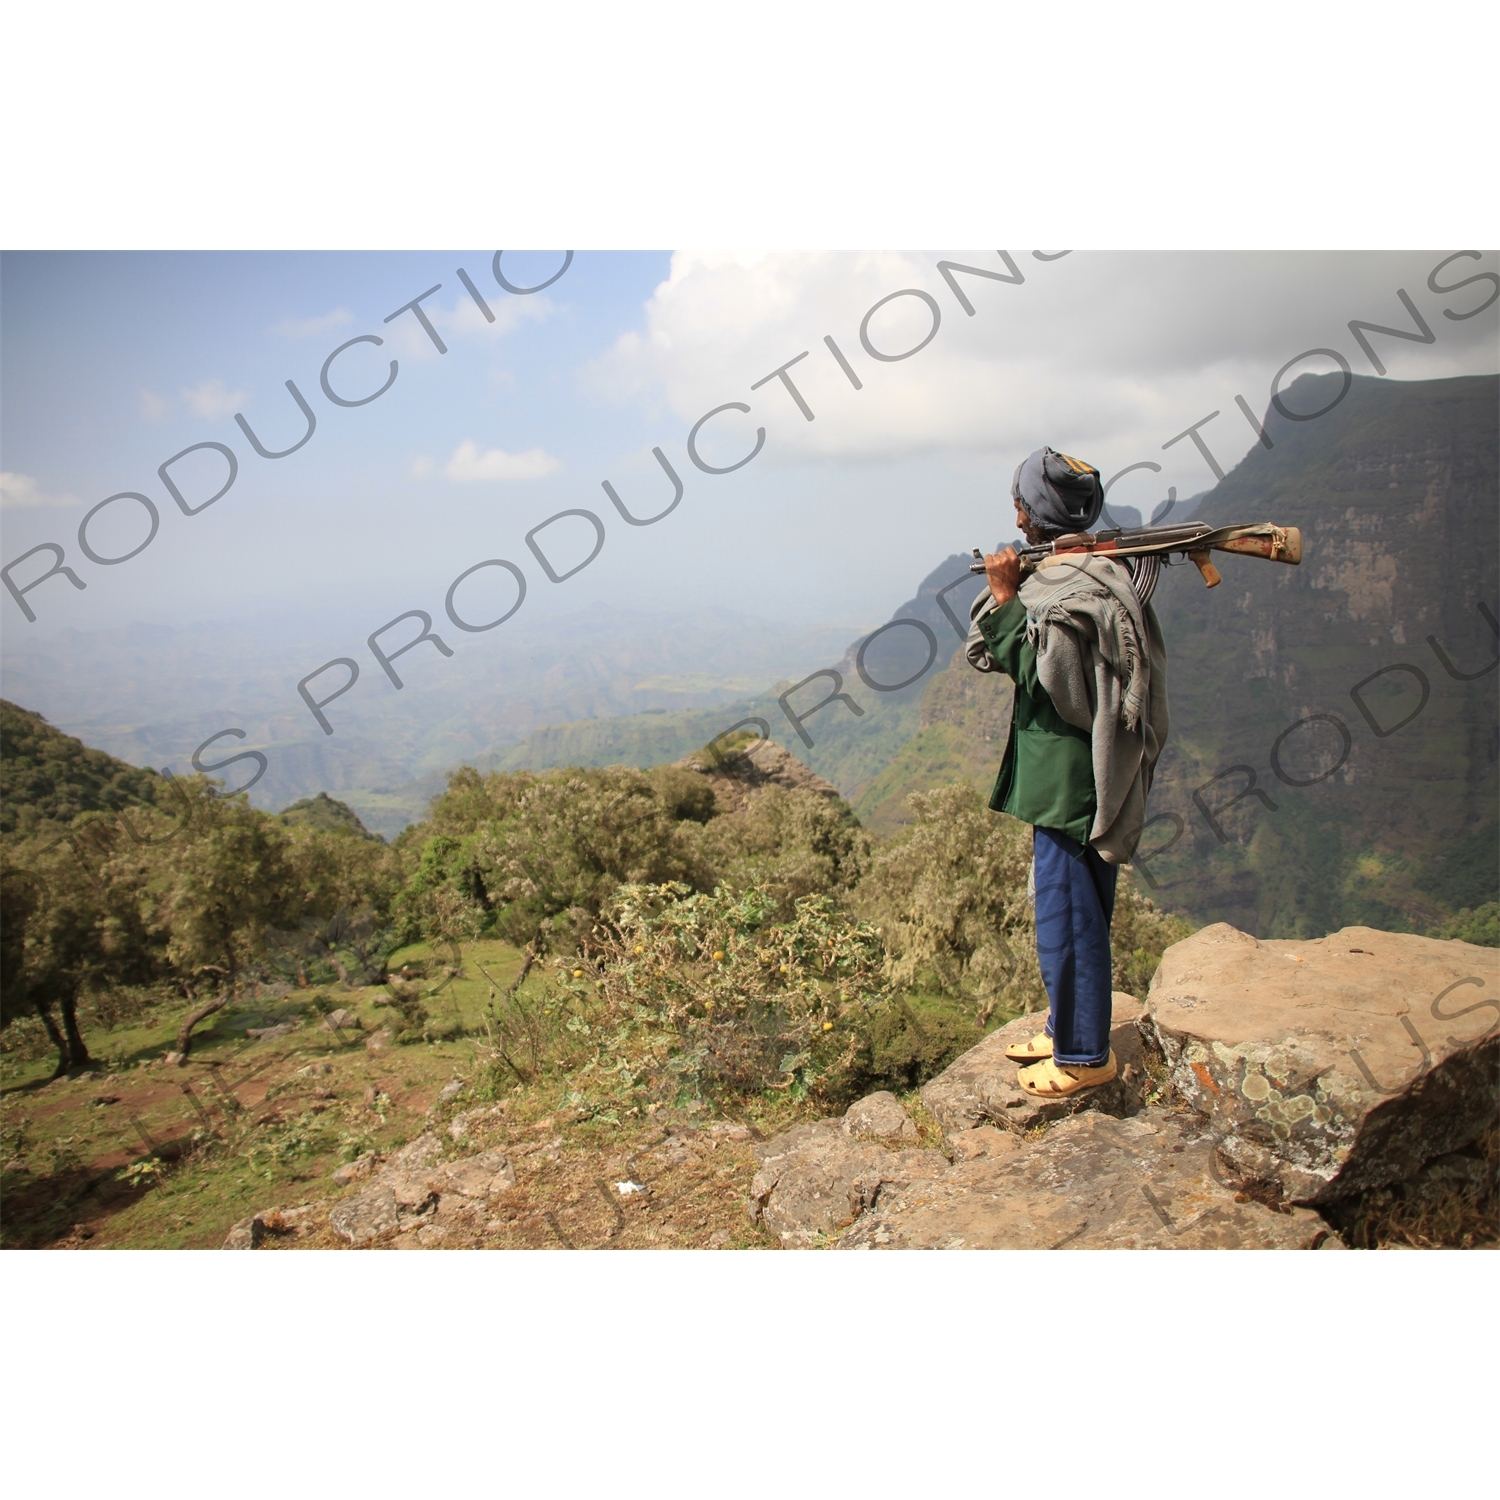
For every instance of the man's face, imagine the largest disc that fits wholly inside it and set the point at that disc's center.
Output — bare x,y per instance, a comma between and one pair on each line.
1023,521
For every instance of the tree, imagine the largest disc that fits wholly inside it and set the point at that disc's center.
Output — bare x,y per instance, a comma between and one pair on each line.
22,893
353,947
540,854
181,890
333,872
52,946
227,886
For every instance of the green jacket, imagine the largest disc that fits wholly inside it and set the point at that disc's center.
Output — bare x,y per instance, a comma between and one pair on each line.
1047,775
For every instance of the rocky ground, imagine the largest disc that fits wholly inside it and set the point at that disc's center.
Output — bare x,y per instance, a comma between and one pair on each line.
531,1186
1272,1095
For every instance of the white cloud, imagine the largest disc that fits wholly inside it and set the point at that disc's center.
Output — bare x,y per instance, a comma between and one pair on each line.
211,398
153,407
1104,355
469,463
22,492
306,328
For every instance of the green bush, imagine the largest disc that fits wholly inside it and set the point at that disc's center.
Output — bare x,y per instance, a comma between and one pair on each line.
687,796
787,843
948,894
686,997
525,853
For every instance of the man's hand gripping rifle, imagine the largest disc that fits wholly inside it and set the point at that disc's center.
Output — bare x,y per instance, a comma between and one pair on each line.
1263,539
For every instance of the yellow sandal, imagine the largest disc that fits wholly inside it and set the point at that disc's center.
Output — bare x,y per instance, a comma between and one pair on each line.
1049,1080
1036,1050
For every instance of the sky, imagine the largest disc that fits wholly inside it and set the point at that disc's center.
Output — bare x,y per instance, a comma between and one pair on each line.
113,363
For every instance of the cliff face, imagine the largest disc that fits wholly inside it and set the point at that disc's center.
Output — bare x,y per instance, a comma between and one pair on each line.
1359,690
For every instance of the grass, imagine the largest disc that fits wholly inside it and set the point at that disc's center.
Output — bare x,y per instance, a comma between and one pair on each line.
246,1124
179,1154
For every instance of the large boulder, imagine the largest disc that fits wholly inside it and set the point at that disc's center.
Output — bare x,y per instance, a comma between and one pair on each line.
1333,1066
981,1087
815,1179
246,1235
1091,1182
354,1171
415,1185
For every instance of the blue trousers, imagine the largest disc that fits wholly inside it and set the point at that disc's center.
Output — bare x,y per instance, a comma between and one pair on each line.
1075,901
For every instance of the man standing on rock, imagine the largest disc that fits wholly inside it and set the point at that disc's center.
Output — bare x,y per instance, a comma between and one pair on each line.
1082,645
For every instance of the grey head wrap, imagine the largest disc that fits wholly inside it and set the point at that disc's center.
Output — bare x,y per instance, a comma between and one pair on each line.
1060,493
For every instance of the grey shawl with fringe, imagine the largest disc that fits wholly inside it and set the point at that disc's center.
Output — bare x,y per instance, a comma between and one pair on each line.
1102,661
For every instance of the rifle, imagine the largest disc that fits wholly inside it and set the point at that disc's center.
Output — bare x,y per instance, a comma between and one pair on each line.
1194,541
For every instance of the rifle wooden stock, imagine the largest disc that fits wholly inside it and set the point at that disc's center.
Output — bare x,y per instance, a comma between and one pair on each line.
1283,544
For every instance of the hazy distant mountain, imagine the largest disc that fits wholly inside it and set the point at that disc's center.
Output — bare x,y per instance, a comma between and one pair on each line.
849,749
152,694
